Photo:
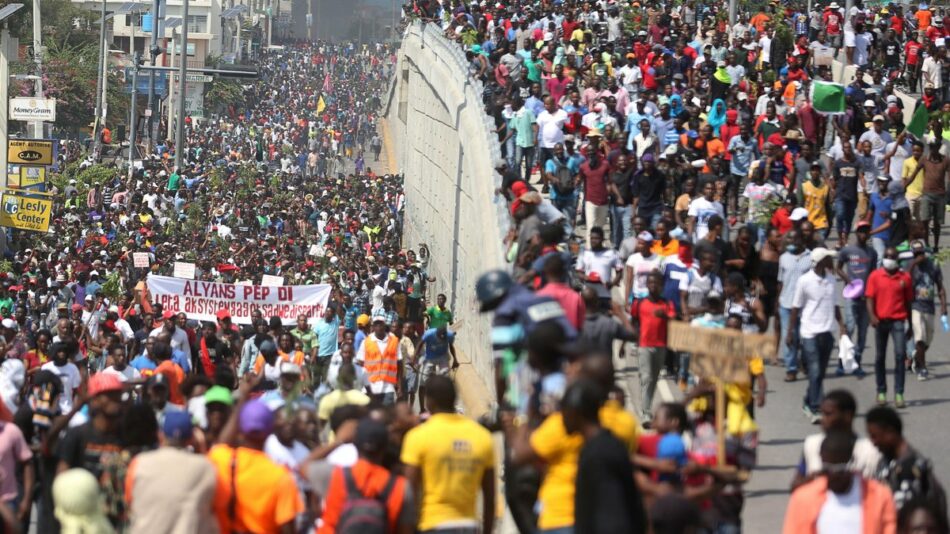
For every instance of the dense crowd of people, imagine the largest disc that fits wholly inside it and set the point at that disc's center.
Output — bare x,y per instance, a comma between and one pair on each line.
663,163
660,164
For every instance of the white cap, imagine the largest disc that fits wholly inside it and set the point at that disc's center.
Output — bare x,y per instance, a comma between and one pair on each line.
798,214
821,253
289,368
869,103
9,323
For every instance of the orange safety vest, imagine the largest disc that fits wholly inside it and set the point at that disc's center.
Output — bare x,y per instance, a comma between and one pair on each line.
382,367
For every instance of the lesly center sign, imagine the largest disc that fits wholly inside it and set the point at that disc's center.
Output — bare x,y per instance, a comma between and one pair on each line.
33,109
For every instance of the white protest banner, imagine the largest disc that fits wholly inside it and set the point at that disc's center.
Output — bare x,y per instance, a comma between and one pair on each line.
184,270
271,280
202,300
140,259
316,250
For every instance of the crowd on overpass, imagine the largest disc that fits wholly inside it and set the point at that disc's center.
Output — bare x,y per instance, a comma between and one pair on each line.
666,162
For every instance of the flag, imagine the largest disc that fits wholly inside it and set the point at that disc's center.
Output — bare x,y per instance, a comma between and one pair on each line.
321,105
827,98
327,86
918,123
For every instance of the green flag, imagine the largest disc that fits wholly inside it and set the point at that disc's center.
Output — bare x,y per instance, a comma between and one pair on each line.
918,123
827,98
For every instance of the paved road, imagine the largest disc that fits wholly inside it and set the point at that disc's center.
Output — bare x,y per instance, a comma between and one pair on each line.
783,426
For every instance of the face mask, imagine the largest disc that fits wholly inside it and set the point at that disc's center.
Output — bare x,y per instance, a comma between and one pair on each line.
889,264
791,248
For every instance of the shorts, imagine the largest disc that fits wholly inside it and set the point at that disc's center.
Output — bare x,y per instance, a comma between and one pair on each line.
411,378
923,326
433,368
933,206
914,204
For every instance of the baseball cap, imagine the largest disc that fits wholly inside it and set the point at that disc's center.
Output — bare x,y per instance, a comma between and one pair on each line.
177,425
223,314
645,236
798,214
9,323
104,383
862,225
219,394
878,118
167,314
256,417
290,368
821,253
869,103
362,320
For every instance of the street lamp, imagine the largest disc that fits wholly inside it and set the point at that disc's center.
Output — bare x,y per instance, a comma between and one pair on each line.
5,13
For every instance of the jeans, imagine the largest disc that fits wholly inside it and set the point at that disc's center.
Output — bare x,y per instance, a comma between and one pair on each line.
789,354
897,331
652,215
856,321
567,204
386,399
878,245
510,151
650,362
844,214
620,223
525,153
816,351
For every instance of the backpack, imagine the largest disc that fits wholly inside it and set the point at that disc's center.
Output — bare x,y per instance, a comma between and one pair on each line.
563,179
361,514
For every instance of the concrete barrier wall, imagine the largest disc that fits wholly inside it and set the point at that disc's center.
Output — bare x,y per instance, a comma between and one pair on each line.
445,148
845,74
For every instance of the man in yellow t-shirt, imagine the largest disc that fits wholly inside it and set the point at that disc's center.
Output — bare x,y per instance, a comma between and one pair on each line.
448,459
915,189
551,444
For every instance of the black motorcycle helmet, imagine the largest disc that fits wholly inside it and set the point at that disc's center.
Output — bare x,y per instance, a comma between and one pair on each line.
491,288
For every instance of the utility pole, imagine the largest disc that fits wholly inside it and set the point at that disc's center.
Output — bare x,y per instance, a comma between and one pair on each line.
732,17
183,60
4,93
134,112
153,55
37,126
97,124
310,20
171,89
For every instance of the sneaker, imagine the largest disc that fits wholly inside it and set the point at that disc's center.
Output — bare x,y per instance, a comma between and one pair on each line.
682,384
859,373
791,376
808,413
913,365
815,419
839,371
899,401
882,399
923,374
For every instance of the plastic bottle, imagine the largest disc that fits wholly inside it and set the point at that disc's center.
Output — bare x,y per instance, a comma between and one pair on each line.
945,323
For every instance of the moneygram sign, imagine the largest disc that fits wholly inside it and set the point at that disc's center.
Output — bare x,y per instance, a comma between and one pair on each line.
29,152
25,213
33,109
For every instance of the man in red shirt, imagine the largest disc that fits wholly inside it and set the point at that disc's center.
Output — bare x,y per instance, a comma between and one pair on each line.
912,52
889,293
593,174
652,314
555,273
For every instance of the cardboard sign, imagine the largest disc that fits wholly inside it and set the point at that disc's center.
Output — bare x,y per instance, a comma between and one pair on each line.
184,270
202,300
316,250
140,259
271,280
723,354
25,213
29,152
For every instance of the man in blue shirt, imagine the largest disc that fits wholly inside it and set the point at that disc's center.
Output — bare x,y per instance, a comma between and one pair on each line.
438,343
327,329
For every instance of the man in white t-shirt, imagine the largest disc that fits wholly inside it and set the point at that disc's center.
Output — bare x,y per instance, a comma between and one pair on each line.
550,123
178,338
838,409
120,365
701,209
638,268
814,313
600,259
67,372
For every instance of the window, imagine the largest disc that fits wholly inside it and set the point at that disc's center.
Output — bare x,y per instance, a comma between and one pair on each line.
198,23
